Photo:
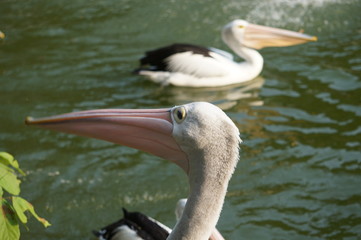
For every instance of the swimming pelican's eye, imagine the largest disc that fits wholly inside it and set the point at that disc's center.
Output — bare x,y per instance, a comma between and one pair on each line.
179,114
241,26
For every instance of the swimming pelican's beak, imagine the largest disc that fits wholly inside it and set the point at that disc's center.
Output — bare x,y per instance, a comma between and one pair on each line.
257,37
149,130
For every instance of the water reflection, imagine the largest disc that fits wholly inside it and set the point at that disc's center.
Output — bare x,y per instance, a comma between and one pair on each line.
224,97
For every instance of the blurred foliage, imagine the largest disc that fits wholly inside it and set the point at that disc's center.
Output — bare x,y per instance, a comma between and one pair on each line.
13,207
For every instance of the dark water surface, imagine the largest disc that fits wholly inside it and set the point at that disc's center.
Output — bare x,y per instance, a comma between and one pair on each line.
300,171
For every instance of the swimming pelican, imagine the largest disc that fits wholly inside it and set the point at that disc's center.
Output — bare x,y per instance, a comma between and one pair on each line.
198,137
195,66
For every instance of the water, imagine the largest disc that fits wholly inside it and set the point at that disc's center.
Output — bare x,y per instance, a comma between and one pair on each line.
299,173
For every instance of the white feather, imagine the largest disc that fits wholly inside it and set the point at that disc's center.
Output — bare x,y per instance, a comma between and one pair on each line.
125,233
225,54
197,64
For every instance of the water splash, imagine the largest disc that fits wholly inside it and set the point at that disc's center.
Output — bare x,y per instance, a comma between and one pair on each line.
299,13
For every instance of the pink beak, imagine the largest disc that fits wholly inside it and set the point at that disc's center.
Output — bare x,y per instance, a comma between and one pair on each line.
149,130
257,37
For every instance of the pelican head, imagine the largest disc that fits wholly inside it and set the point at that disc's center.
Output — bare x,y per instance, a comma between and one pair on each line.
198,137
240,32
170,133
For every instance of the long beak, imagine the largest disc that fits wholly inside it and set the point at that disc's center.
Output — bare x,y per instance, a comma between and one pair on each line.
257,37
149,130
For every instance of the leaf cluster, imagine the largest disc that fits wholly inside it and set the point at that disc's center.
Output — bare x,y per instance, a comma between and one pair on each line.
13,207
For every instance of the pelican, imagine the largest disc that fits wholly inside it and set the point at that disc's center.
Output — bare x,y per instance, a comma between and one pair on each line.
189,65
198,137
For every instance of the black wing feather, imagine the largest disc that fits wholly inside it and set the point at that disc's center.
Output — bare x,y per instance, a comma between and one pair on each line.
145,228
155,59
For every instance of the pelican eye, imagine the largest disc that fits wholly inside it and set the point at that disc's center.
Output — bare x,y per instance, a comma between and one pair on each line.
241,26
179,114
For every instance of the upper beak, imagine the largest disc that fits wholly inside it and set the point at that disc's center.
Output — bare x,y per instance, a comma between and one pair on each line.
257,37
149,130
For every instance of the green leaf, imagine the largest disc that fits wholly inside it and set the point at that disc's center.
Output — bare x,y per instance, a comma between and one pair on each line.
21,205
9,227
8,159
9,181
20,209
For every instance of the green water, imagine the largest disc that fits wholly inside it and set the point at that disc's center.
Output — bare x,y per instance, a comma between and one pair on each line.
300,170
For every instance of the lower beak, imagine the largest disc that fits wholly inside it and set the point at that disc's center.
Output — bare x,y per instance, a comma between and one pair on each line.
149,130
257,37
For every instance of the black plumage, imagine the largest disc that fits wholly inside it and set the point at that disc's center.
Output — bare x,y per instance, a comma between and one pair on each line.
155,60
145,228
